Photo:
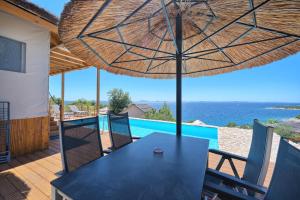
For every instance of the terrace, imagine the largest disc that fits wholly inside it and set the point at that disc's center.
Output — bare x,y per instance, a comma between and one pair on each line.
29,177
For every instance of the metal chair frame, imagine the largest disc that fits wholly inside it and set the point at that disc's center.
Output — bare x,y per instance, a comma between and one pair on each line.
122,115
62,139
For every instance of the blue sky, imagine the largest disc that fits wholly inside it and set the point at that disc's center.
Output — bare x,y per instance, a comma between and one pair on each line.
275,82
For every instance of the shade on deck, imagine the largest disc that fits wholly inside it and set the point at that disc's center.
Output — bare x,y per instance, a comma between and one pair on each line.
137,37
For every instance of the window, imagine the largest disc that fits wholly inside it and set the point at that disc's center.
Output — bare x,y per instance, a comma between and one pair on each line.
12,55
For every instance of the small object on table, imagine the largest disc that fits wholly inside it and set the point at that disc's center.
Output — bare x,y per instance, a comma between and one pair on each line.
158,151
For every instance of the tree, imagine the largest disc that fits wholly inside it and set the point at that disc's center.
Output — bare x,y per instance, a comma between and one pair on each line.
118,100
55,100
231,124
164,113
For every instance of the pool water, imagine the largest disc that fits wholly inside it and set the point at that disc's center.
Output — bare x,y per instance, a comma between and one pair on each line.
142,127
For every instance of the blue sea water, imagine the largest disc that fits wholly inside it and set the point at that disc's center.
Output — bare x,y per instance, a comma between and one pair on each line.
141,128
220,113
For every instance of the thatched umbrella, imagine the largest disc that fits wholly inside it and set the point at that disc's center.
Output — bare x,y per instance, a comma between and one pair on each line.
175,38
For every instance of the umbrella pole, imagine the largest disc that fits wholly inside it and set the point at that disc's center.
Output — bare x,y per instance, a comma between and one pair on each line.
178,74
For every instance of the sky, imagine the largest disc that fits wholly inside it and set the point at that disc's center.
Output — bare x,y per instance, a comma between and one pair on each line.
275,82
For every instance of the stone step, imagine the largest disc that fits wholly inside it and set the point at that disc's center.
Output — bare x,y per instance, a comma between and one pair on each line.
53,123
54,133
54,128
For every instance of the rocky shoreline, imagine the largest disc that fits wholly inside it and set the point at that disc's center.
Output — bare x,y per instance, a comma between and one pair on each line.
238,141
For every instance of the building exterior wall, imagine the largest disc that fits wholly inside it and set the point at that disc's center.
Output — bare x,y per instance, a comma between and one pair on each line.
134,111
27,92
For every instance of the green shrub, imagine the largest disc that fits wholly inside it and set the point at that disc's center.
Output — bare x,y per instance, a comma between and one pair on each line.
298,116
285,131
118,100
272,121
246,126
231,124
164,114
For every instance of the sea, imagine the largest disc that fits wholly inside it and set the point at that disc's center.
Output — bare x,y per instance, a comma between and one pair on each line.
221,113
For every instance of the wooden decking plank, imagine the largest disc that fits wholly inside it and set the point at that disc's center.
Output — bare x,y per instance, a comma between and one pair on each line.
29,176
22,187
33,192
8,190
32,177
42,171
48,158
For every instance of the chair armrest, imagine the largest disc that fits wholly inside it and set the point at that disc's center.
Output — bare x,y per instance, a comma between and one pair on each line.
135,138
235,181
107,151
226,192
227,155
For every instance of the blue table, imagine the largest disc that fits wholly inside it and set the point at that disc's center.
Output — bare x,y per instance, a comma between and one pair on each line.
135,172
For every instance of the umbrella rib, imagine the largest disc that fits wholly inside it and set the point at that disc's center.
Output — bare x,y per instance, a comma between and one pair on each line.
102,8
169,24
240,36
121,37
269,29
133,45
121,24
229,66
236,45
251,5
230,23
121,55
209,8
247,60
219,49
159,45
134,60
196,57
158,65
95,52
135,11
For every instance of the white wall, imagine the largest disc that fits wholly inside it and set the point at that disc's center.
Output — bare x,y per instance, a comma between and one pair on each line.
27,92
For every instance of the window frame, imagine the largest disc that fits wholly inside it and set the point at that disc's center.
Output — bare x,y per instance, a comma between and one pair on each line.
23,56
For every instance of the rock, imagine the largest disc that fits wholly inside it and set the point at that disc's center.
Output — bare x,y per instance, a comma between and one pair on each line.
238,141
198,122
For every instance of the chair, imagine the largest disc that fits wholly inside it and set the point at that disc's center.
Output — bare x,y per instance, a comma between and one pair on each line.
76,111
119,129
258,159
55,111
80,142
284,183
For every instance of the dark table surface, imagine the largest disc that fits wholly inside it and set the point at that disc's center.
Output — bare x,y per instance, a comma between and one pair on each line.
134,172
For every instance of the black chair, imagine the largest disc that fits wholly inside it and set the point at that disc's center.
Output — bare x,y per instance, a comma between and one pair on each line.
258,159
119,129
80,142
285,182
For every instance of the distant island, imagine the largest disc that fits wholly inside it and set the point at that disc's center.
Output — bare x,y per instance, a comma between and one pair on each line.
286,107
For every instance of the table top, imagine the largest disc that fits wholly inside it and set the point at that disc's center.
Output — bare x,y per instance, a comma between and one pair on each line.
135,172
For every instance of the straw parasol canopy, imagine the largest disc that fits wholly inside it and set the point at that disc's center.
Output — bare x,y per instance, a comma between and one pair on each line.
137,37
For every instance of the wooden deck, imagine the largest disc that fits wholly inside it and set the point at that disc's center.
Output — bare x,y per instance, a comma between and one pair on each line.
28,177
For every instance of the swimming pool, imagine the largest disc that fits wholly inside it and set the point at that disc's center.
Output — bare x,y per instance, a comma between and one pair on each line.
142,127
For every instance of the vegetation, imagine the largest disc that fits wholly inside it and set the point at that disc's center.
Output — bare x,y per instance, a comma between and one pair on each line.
298,116
272,121
55,100
285,131
246,126
288,107
118,100
164,113
231,124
